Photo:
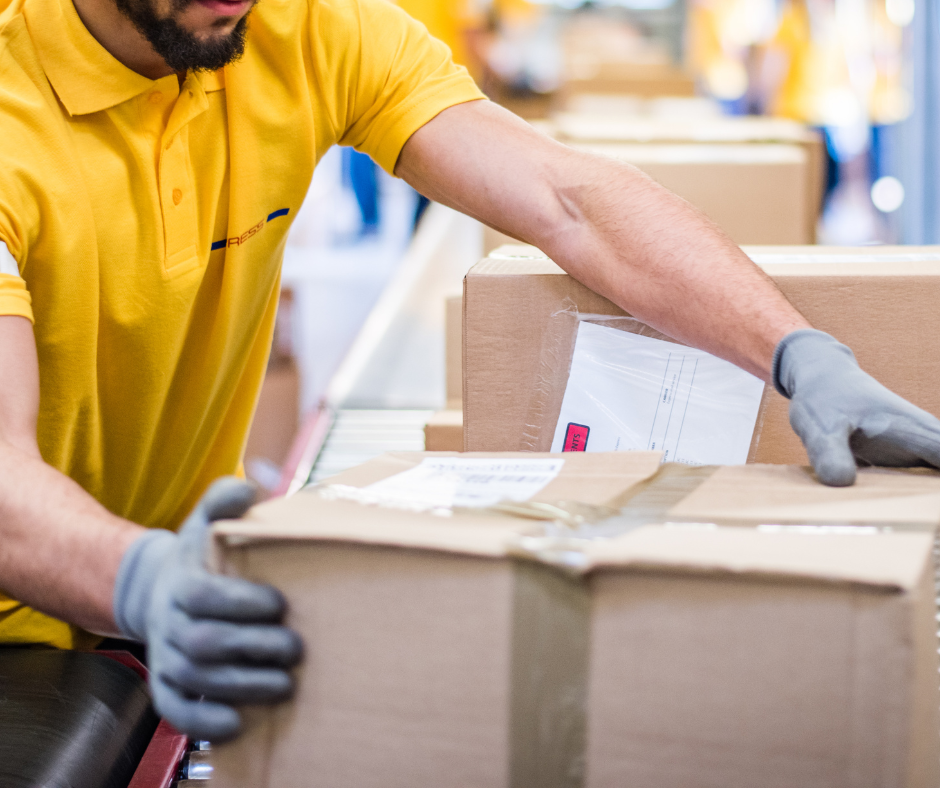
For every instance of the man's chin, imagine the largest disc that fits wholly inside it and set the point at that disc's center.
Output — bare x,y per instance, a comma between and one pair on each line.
212,20
203,35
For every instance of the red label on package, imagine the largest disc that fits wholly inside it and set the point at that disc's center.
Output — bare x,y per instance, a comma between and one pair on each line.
576,437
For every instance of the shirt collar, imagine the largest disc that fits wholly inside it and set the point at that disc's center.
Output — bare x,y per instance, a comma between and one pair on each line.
85,76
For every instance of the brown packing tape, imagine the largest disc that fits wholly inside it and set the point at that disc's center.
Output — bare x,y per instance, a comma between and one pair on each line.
551,623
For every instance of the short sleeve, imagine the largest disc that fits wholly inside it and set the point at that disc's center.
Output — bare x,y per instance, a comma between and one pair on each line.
14,297
402,79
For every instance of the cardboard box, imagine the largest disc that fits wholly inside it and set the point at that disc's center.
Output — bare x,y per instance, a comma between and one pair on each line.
756,193
277,416
690,108
444,431
480,650
453,351
647,80
277,413
576,128
881,302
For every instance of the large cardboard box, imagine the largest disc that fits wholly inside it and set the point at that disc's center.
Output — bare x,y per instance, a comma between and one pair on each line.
579,128
647,80
756,193
881,302
485,649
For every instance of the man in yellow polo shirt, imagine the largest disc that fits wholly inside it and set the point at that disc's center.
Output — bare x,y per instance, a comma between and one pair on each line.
152,156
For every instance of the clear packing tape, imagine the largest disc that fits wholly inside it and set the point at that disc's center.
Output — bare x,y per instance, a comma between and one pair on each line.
609,383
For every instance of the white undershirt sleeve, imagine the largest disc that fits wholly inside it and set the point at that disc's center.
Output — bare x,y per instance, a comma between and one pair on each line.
7,264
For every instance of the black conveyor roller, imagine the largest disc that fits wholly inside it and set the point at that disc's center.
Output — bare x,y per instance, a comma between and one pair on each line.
70,720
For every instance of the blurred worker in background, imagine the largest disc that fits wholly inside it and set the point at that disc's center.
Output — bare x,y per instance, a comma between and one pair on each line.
154,154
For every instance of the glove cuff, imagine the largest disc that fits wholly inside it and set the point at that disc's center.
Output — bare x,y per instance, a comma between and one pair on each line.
796,349
135,581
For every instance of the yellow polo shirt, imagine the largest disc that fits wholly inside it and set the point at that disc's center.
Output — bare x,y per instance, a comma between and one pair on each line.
147,222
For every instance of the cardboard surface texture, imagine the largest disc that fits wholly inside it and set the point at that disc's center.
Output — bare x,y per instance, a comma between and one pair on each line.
486,649
790,494
881,302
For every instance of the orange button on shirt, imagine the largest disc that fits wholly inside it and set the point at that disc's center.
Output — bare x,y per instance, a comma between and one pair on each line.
147,221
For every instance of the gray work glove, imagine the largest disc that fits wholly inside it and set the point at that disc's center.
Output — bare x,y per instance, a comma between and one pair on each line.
213,642
846,417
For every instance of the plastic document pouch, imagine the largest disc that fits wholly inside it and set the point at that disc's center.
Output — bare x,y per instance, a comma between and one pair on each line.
627,392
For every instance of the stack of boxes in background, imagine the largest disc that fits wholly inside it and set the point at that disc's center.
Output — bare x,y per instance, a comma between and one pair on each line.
760,179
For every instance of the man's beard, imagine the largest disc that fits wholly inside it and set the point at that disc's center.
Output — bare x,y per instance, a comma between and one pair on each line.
181,50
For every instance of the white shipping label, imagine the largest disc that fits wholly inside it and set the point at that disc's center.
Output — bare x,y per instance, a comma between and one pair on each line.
446,482
626,392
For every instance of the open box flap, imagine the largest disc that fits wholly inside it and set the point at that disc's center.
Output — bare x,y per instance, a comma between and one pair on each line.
592,479
791,494
888,560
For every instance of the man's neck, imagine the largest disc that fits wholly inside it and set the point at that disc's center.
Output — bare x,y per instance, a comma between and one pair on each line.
116,33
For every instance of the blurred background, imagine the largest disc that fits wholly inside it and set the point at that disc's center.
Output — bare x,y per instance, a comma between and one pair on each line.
786,121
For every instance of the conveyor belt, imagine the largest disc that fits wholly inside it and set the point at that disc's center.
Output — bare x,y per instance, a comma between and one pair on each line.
360,435
70,720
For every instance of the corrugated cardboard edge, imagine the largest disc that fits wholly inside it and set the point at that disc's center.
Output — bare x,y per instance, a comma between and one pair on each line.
893,561
791,494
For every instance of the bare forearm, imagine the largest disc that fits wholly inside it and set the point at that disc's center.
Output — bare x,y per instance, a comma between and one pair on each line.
657,257
609,226
59,548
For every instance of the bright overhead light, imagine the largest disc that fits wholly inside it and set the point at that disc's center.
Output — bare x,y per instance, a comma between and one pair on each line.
887,193
900,12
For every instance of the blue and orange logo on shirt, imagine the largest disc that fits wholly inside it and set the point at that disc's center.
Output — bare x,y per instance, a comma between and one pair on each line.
238,240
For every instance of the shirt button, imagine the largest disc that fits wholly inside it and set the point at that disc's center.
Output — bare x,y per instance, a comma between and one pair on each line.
177,196
156,97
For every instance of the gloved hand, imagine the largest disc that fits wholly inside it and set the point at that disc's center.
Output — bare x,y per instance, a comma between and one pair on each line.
213,641
843,415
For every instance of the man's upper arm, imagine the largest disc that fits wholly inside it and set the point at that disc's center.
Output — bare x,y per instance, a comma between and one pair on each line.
19,384
19,366
482,160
